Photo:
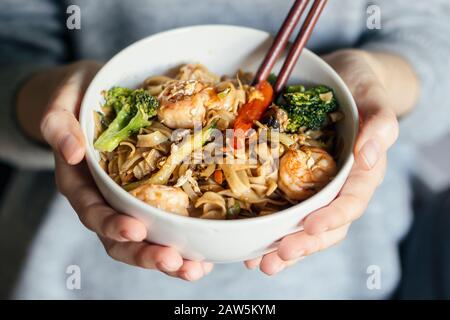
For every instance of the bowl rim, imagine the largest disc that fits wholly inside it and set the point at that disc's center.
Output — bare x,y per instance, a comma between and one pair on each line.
159,213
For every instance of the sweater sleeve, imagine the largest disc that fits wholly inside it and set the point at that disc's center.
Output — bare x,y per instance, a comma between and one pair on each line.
31,40
419,31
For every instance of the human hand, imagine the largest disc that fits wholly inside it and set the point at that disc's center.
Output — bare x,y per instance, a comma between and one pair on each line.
122,236
365,77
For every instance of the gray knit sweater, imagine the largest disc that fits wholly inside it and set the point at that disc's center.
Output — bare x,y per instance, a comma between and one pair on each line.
40,235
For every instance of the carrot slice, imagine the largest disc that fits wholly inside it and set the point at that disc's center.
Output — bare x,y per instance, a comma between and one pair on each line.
253,110
218,176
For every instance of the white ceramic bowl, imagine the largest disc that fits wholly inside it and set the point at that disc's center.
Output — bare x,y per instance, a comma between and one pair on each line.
224,50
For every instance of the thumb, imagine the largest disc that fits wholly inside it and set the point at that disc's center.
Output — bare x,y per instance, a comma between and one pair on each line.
59,126
378,129
63,133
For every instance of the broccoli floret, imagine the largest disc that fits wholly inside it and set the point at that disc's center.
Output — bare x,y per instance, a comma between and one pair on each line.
307,107
134,109
117,97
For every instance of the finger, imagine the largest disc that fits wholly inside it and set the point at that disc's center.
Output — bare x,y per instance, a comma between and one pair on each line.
59,125
379,129
144,255
301,244
351,202
253,264
271,264
62,132
292,262
191,270
93,212
206,266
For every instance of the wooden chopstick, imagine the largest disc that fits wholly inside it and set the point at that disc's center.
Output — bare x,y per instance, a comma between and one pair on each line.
281,40
299,44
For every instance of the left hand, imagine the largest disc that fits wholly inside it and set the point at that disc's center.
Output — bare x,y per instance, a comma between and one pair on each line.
55,96
378,131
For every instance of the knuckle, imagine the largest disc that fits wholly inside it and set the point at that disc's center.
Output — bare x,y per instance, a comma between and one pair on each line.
357,207
339,213
141,258
61,185
313,245
109,248
106,225
85,217
51,122
316,245
289,242
65,186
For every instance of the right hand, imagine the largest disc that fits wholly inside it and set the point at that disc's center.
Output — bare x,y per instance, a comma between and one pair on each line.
122,236
378,131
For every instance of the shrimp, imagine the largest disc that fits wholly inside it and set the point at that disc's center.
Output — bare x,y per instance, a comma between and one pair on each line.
305,171
166,198
182,104
186,103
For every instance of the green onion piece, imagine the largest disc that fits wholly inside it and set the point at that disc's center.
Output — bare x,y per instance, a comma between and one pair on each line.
234,210
223,94
295,88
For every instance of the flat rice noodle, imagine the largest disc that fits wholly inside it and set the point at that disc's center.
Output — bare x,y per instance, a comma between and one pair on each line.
152,139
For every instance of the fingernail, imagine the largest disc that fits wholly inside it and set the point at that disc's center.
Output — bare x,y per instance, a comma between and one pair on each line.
68,146
130,235
253,264
370,153
188,276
